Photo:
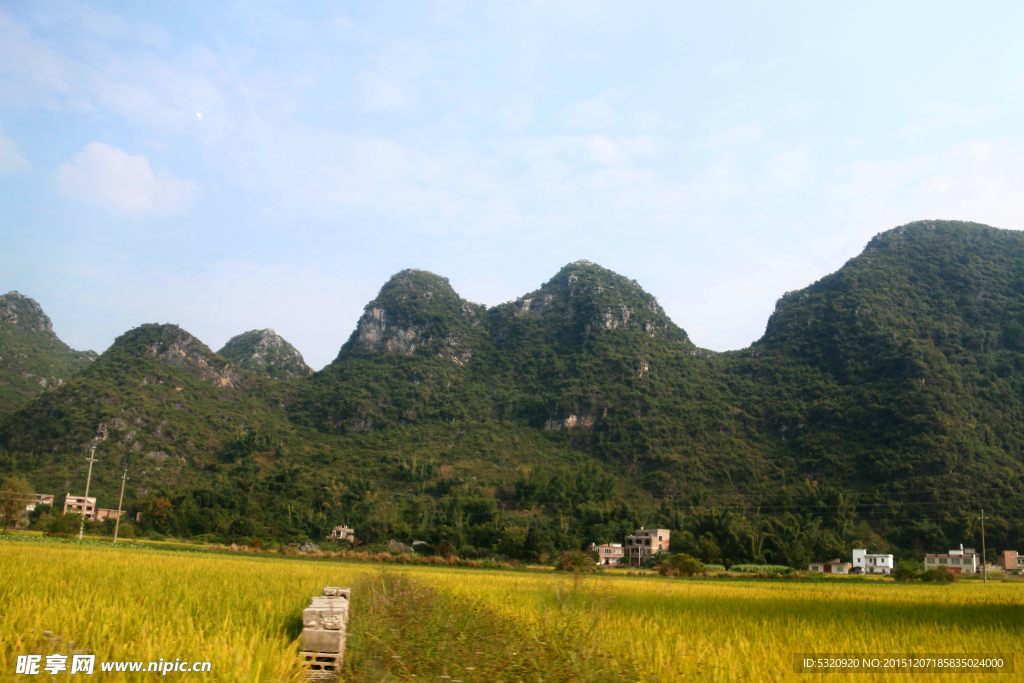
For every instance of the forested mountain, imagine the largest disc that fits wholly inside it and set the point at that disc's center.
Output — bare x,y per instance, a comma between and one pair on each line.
881,407
32,358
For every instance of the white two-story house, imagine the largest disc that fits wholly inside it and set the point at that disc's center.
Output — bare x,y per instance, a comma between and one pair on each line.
872,564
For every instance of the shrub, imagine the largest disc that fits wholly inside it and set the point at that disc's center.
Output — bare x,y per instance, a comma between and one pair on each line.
681,565
576,562
907,571
940,575
62,526
761,569
656,559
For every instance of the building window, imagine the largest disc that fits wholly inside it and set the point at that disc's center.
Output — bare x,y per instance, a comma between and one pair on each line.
930,560
956,561
942,560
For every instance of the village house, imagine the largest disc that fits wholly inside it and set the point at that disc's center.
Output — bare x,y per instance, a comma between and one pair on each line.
39,499
608,553
87,507
644,543
866,563
1010,561
343,533
962,561
835,566
80,505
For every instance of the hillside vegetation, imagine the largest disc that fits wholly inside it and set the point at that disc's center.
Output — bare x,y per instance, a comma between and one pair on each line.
32,358
881,408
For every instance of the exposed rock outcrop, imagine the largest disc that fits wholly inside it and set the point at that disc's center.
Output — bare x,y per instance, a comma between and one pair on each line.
265,352
24,313
418,311
175,347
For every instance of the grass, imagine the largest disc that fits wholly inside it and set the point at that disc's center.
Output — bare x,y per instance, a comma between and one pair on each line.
410,631
412,623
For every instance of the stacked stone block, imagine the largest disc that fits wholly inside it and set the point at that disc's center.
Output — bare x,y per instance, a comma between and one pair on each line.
324,626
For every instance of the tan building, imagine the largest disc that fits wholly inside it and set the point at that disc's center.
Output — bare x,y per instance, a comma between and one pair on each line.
39,499
103,513
835,566
1011,561
343,533
644,543
609,553
80,505
963,561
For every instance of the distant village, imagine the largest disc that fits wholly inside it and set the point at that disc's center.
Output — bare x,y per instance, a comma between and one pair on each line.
639,548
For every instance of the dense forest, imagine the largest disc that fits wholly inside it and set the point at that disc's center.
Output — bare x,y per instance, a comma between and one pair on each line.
881,409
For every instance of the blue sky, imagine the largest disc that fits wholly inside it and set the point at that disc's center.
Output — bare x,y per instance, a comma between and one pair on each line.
247,165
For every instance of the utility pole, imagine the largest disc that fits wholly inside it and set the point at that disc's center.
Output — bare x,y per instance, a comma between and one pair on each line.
85,503
124,478
984,570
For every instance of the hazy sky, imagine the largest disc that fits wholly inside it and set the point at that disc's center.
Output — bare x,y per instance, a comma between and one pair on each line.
248,165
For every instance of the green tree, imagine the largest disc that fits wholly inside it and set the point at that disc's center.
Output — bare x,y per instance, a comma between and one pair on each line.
63,526
15,494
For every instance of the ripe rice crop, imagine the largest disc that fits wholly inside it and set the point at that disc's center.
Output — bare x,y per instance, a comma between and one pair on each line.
242,614
414,623
749,630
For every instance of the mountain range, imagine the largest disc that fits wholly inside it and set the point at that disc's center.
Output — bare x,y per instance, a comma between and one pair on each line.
883,402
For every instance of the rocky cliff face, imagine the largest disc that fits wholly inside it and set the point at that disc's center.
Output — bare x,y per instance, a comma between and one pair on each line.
266,353
23,313
175,347
32,358
418,311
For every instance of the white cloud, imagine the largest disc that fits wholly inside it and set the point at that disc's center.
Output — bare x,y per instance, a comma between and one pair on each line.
590,114
789,169
380,93
795,113
729,69
393,78
112,179
940,115
11,160
738,136
515,115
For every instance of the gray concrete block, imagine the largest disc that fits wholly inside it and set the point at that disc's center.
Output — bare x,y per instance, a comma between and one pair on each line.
335,592
324,628
323,641
325,617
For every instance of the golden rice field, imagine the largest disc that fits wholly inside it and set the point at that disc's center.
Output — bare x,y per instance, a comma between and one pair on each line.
242,613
